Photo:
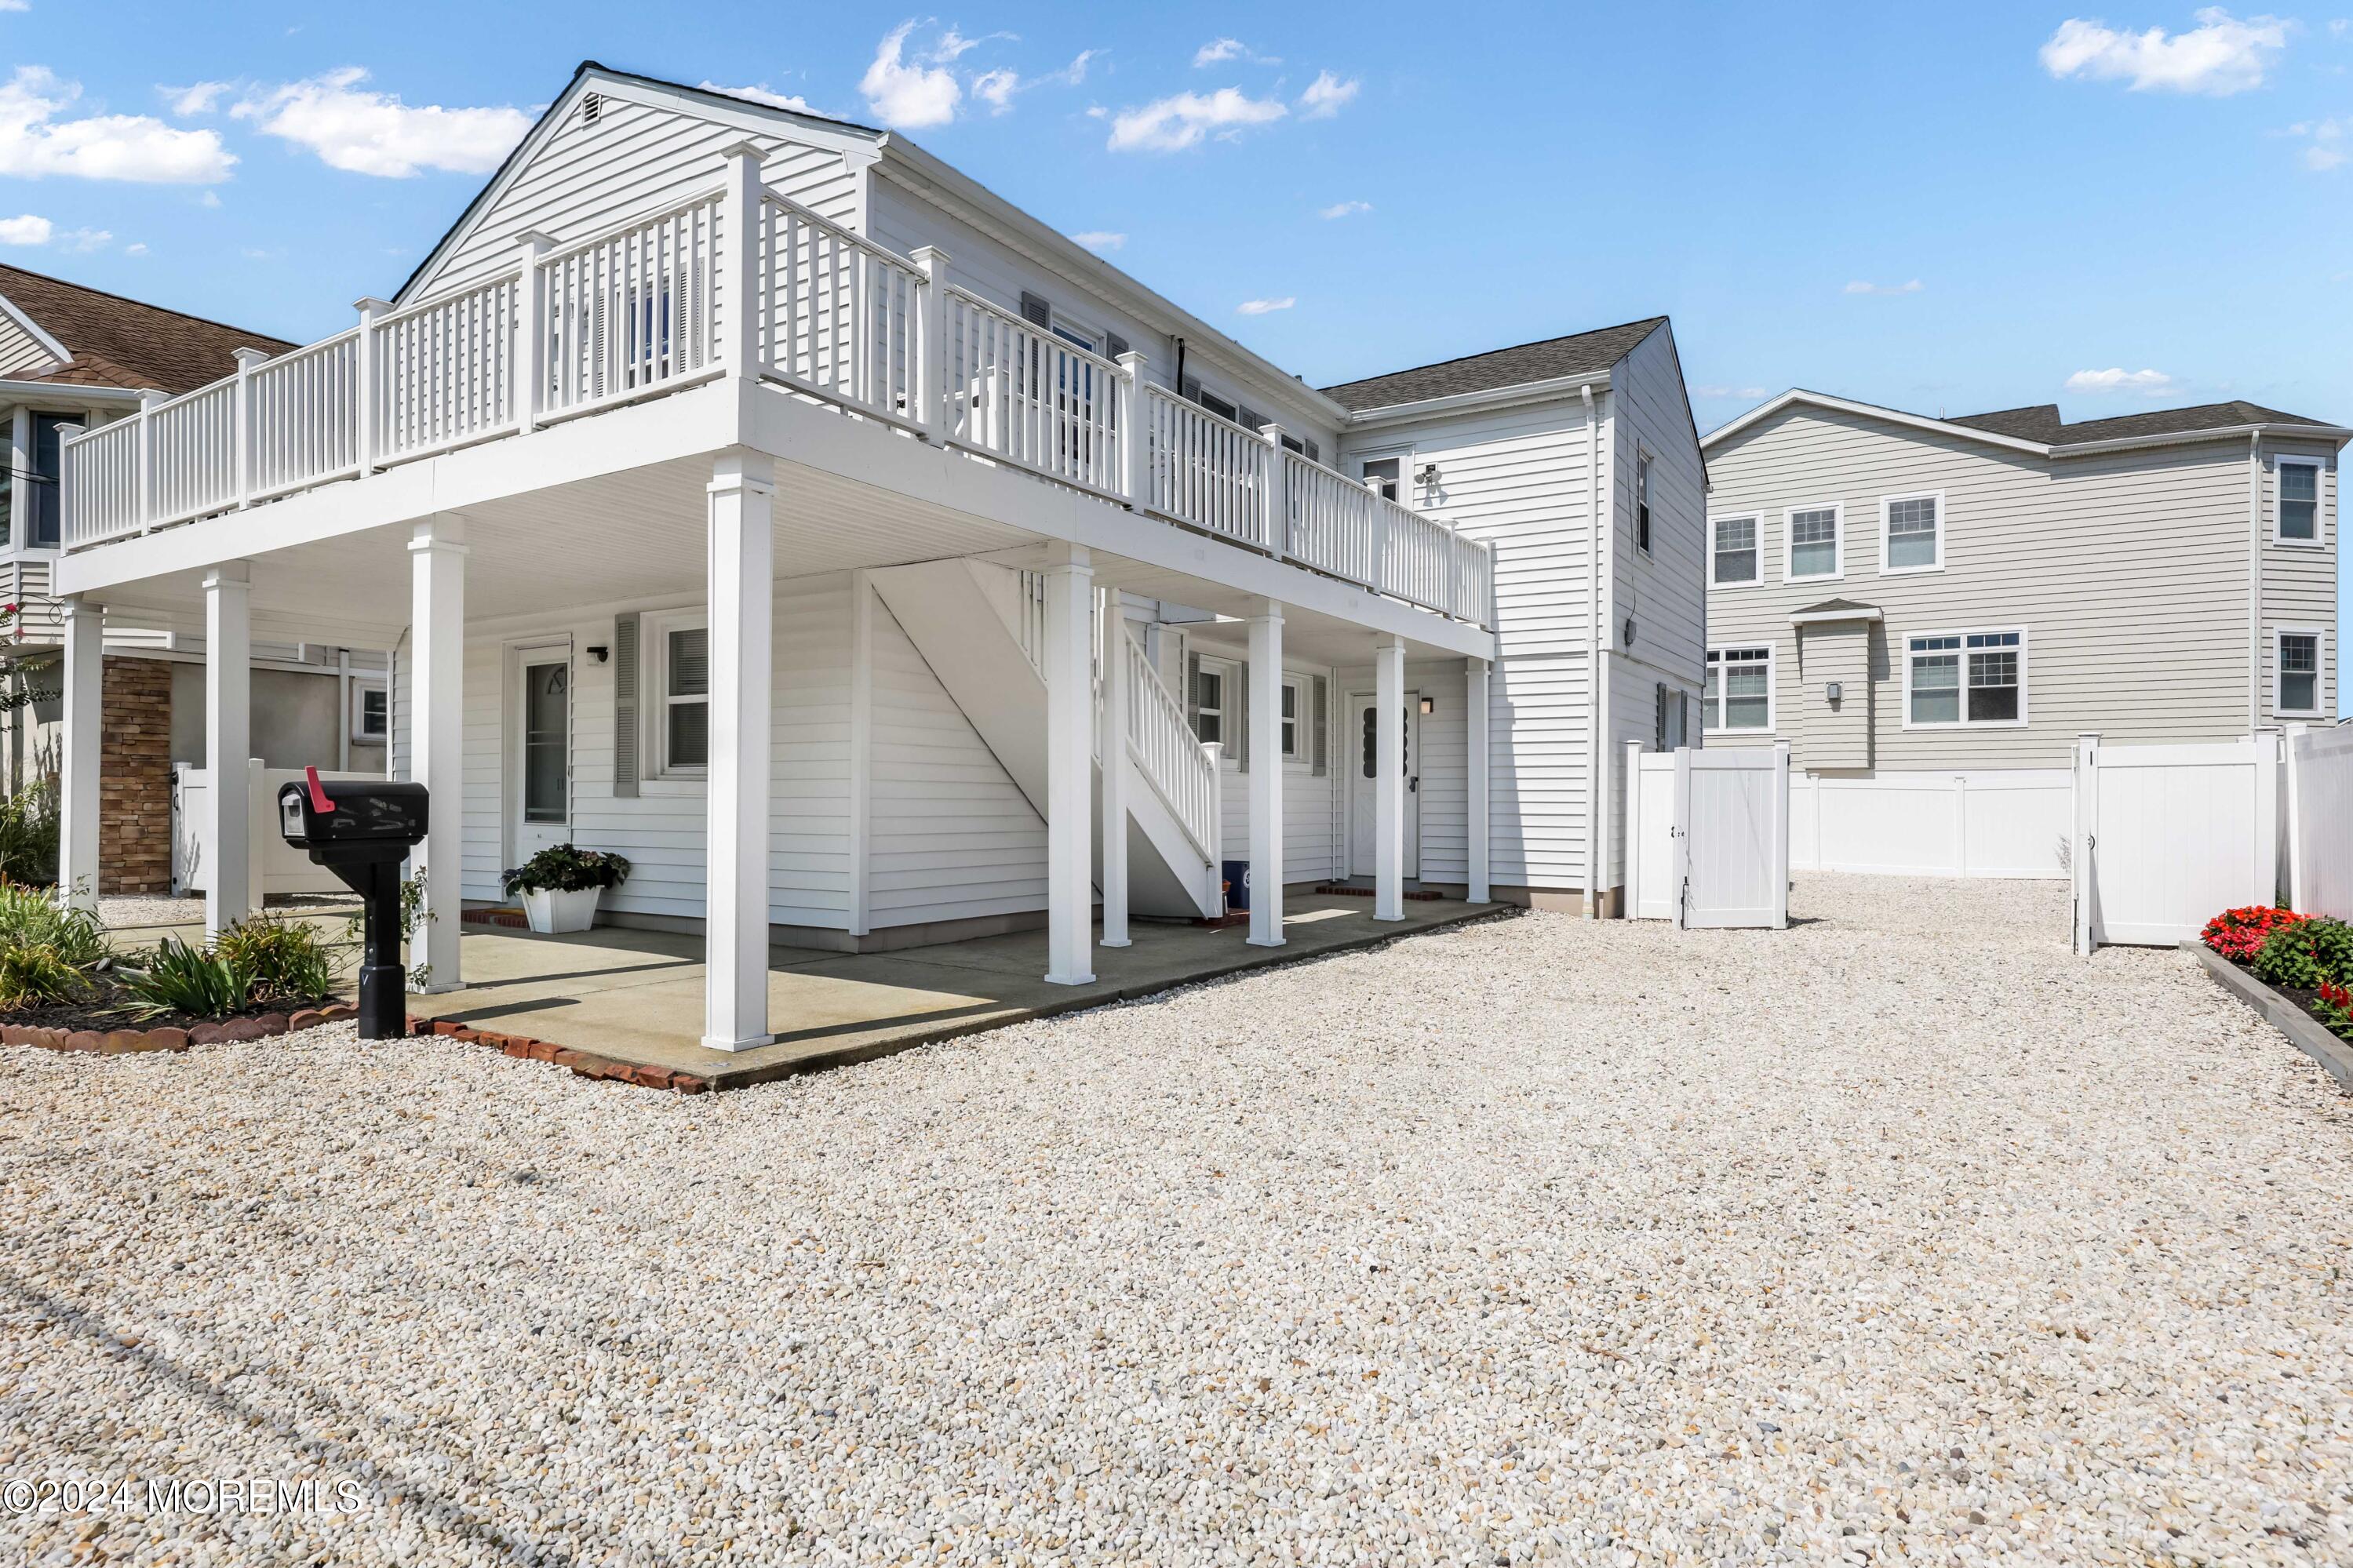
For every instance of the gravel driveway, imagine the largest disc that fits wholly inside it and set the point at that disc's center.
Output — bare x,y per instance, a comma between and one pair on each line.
1901,1236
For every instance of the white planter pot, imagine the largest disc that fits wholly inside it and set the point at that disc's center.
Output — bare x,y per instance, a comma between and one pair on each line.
555,912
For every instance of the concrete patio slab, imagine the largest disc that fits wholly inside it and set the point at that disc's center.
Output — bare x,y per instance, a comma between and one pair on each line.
635,996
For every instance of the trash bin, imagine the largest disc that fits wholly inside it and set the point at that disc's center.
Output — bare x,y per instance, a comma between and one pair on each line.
1237,874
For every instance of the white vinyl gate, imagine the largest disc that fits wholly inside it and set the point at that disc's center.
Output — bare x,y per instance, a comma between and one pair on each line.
2320,820
2169,836
1707,837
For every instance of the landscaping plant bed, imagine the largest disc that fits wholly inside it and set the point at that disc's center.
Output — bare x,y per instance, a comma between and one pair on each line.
2296,969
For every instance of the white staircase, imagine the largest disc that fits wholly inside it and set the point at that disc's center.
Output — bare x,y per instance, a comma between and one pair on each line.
980,628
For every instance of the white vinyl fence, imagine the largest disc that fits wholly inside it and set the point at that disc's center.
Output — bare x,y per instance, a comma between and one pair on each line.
2319,821
2167,837
1707,837
276,867
2001,822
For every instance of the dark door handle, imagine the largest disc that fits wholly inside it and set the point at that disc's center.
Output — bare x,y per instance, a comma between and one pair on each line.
1414,783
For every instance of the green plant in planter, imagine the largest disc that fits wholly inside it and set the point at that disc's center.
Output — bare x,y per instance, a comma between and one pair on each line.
2307,954
568,869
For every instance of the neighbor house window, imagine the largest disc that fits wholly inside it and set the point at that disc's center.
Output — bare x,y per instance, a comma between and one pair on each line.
371,714
1673,718
1732,550
1382,475
2299,501
1912,533
1209,703
1642,501
2298,661
682,684
1813,543
1965,679
1739,691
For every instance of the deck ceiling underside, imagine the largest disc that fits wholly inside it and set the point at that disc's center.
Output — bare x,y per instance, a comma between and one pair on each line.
640,535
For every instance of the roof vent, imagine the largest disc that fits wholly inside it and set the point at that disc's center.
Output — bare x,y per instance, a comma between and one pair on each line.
592,106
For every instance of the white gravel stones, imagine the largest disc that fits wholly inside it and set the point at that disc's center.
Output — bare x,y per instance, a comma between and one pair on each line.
1901,1236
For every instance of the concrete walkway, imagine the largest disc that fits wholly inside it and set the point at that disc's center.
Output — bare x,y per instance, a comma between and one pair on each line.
637,997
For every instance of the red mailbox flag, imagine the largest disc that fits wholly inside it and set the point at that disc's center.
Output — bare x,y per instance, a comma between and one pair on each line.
319,801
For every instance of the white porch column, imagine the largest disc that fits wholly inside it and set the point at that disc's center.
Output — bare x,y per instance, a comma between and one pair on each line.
1476,743
1389,790
1115,783
84,692
1069,762
1266,773
742,589
437,728
228,743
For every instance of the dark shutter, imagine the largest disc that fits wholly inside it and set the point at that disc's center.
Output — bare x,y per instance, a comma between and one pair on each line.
1319,707
1250,418
1314,453
1193,694
625,725
1113,345
1035,310
1191,390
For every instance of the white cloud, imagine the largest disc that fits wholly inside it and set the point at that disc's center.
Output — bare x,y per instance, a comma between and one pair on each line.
1217,52
2221,55
196,99
363,131
34,142
1728,392
1327,95
1344,209
1261,307
759,92
2332,143
16,4
1100,239
26,230
911,96
86,240
138,248
997,88
1861,287
2141,383
1172,124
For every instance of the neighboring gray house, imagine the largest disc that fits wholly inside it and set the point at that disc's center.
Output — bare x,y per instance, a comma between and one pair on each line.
1895,594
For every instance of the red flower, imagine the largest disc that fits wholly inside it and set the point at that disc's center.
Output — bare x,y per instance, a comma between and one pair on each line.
2238,934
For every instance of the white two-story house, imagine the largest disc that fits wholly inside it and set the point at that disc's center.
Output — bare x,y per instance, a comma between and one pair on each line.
1901,597
754,495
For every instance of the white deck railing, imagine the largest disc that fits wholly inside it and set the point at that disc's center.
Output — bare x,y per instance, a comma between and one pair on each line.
741,275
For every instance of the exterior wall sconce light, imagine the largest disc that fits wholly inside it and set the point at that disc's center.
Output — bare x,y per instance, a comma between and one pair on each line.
1428,475
599,652
1430,704
1834,691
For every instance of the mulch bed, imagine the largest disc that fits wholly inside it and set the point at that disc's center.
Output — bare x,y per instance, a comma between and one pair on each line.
2302,998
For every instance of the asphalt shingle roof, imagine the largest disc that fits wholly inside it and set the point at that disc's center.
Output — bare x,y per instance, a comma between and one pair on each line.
117,342
2041,422
1580,353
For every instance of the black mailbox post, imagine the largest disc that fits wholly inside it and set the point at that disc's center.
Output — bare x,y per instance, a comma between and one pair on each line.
362,833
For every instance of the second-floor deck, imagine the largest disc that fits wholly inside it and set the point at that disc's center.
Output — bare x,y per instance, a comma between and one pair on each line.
740,280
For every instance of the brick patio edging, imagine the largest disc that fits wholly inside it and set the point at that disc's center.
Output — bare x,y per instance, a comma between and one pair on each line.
124,1042
2302,1031
584,1063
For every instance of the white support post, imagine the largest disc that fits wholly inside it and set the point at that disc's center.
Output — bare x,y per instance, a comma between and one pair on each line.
368,372
84,713
436,730
247,361
1069,762
1134,455
1278,493
739,260
1215,752
20,478
741,585
1389,789
228,743
1476,744
1266,775
531,330
1116,783
2084,845
930,395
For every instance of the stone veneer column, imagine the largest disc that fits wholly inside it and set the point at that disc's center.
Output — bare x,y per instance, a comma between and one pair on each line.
135,777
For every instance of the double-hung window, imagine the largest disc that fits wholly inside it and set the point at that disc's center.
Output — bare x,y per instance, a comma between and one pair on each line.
1912,533
1813,543
1291,727
1642,501
1209,703
682,688
1965,679
2296,661
1739,691
1733,557
2299,500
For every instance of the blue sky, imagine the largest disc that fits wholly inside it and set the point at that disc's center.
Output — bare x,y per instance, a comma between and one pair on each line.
1940,209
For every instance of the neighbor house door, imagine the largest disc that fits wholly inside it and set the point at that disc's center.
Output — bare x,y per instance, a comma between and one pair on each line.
538,748
1362,748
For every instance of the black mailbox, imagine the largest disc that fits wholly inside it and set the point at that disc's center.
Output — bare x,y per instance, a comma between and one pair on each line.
362,829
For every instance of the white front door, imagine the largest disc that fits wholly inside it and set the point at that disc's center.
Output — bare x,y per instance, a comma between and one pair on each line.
539,749
1361,746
